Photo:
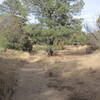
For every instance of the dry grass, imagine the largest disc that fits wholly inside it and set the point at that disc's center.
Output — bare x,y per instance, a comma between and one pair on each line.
76,50
63,75
78,79
8,77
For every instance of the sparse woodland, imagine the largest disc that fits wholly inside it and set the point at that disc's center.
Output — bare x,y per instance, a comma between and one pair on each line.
57,31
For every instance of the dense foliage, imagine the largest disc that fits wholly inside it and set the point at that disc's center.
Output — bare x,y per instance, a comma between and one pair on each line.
56,26
13,19
56,18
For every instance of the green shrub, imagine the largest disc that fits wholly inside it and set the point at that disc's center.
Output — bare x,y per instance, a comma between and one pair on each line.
20,42
26,44
15,34
77,39
58,45
3,42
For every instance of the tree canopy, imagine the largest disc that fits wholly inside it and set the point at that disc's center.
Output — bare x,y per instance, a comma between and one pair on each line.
56,17
14,16
56,22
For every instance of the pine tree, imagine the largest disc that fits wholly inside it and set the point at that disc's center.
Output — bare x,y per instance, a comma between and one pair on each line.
15,13
56,16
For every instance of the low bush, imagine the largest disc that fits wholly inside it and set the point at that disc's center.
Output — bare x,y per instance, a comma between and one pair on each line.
3,43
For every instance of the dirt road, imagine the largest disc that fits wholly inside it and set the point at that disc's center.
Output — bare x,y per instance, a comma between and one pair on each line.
60,78
32,84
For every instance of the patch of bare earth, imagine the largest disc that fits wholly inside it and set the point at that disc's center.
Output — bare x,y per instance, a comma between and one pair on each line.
61,77
70,75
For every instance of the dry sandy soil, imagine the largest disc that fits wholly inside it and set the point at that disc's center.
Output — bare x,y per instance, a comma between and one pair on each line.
63,77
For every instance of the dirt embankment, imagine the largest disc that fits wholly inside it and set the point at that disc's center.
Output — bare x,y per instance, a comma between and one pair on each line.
8,77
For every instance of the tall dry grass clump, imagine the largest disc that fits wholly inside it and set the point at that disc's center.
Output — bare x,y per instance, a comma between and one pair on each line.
8,78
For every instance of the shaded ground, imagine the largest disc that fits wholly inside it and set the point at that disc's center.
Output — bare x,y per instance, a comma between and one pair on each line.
8,77
59,78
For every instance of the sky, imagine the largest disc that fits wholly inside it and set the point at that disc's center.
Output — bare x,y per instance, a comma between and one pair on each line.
90,12
1,1
91,9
